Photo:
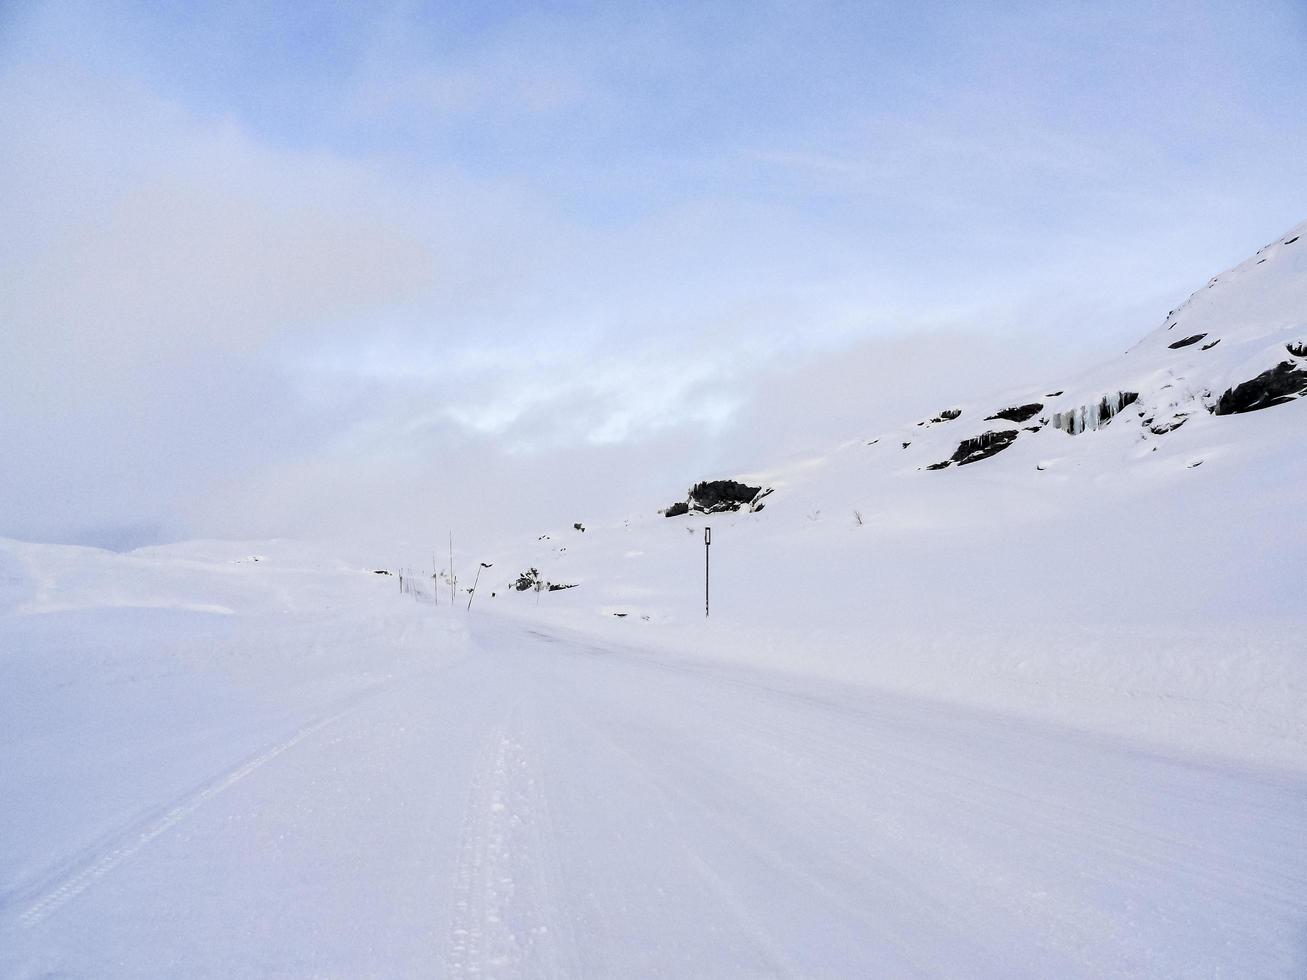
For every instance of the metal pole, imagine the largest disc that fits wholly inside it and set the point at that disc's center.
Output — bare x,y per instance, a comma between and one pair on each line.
473,591
707,543
451,568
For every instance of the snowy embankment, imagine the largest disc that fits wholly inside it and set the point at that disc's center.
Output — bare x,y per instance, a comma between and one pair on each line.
130,678
1235,691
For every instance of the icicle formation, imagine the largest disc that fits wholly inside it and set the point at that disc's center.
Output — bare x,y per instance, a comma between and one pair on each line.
1094,415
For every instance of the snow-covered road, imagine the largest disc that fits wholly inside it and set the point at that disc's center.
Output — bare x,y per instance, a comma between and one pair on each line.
545,806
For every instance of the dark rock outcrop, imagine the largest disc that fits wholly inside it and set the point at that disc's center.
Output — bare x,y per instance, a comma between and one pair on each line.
1297,350
1212,344
717,496
983,446
713,496
1187,341
1162,428
1282,383
1017,413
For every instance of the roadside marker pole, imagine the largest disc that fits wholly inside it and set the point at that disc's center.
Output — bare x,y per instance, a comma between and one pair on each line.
471,593
707,543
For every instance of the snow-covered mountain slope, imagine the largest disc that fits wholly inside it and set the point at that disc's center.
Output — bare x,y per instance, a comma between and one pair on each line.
1237,345
1123,549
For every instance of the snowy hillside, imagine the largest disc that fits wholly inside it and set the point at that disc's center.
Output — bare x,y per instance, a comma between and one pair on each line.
1122,549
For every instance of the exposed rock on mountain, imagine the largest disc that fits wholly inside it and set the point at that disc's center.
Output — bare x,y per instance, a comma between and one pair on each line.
1162,428
1284,382
1017,413
983,446
948,415
716,496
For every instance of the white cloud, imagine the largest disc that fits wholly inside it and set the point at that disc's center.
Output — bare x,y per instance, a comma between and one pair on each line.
558,255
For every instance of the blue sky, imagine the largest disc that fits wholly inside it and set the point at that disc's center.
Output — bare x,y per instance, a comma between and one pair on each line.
259,251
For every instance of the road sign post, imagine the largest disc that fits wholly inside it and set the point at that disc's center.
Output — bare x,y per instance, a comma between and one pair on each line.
707,543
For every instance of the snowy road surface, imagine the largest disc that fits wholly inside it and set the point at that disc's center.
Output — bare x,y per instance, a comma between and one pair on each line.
541,806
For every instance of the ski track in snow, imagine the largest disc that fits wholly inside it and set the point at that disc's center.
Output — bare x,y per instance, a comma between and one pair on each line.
501,924
104,861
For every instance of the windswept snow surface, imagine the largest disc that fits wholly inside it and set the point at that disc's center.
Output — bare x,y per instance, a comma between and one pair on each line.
334,779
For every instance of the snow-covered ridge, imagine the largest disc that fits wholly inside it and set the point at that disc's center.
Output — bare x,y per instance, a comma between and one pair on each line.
1238,344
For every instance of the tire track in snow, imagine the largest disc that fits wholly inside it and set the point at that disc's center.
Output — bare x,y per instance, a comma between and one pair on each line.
131,843
501,918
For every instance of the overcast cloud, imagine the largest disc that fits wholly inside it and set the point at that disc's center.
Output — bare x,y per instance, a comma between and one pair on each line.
328,272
